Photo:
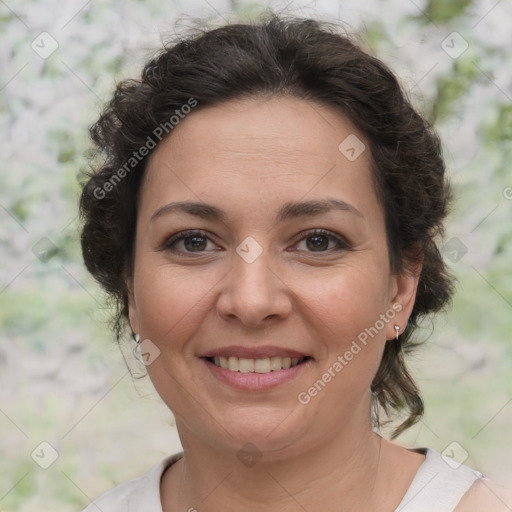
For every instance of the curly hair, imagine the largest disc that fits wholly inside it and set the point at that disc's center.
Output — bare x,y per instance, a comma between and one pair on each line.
296,57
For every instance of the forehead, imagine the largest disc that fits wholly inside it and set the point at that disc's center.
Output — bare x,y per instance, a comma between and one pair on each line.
284,127
258,152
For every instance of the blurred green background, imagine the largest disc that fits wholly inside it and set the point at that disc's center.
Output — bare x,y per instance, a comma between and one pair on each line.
62,379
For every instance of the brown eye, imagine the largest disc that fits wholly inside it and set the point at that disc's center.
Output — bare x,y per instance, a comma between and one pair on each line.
320,239
193,241
320,242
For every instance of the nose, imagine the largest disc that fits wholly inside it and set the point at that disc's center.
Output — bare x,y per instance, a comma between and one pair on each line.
254,293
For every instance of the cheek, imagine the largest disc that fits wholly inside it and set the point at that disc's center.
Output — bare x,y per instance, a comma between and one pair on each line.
344,310
171,301
346,300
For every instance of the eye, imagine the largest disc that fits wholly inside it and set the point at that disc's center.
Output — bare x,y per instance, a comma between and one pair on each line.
193,241
196,241
318,240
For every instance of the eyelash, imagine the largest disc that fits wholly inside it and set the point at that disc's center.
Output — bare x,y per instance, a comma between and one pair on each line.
341,243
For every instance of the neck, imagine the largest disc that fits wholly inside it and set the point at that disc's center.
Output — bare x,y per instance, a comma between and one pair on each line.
346,465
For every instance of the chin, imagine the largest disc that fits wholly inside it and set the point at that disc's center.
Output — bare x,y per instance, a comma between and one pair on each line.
268,429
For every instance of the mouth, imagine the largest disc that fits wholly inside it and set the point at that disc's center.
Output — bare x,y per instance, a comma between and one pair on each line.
260,365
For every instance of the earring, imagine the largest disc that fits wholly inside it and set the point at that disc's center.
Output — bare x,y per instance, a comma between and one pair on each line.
397,330
136,338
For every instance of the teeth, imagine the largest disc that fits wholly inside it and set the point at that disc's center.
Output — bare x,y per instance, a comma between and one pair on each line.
245,365
276,363
264,365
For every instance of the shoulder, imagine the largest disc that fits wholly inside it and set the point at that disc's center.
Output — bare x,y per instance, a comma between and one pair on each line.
485,495
115,499
140,494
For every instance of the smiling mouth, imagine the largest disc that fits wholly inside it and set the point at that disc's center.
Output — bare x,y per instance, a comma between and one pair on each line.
263,365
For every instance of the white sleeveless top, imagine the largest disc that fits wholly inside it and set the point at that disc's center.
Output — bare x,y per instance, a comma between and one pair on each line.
436,487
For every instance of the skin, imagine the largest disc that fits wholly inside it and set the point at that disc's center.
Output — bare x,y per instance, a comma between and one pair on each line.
249,157
486,495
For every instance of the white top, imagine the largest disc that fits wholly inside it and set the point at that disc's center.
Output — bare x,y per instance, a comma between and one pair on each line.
438,486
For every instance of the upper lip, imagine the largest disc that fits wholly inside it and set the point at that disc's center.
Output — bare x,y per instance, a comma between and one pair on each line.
253,353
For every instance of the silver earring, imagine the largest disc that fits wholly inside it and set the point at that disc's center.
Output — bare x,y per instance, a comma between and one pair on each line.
397,330
136,338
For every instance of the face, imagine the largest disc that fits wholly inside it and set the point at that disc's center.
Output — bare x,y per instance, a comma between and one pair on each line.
284,257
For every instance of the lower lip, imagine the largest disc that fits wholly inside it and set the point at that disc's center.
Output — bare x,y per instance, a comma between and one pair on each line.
256,381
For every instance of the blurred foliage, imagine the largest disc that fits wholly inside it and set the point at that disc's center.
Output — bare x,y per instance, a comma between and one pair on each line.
441,11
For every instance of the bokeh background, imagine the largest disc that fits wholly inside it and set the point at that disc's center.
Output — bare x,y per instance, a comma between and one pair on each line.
65,383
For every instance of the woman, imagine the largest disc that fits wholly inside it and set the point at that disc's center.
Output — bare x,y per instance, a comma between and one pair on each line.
265,217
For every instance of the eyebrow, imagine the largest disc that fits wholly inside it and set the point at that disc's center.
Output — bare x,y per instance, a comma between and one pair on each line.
291,210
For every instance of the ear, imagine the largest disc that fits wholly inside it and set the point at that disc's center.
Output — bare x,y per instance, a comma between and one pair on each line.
403,296
132,307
